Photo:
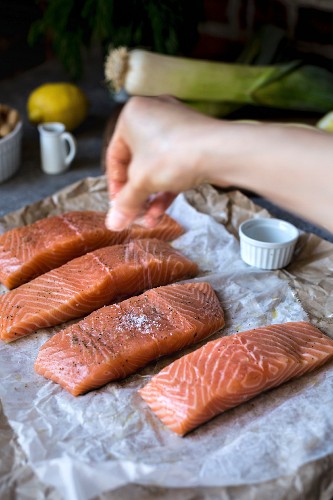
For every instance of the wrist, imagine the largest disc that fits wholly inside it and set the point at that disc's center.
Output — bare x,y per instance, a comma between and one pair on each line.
237,154
218,151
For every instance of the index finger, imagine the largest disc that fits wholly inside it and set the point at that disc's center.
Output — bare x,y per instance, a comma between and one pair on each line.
131,202
118,157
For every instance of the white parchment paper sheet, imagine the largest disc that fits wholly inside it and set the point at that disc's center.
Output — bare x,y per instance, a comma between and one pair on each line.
109,438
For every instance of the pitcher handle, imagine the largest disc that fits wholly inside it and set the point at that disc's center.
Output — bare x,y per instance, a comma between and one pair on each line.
68,139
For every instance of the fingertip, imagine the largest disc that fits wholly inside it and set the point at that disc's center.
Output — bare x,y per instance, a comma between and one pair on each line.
116,220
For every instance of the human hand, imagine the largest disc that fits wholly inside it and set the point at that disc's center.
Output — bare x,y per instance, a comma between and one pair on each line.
161,147
151,158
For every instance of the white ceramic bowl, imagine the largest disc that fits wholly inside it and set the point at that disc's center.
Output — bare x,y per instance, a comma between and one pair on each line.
10,153
267,243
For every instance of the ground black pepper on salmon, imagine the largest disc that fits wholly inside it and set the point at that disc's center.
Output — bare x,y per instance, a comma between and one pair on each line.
107,274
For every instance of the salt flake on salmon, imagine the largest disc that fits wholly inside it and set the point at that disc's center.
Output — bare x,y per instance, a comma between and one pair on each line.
29,251
88,283
117,340
231,370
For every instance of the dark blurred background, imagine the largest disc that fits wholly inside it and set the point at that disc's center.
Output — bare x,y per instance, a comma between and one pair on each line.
67,39
16,55
34,31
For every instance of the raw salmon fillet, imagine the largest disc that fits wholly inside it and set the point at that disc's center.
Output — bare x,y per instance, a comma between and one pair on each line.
89,282
117,340
29,251
228,371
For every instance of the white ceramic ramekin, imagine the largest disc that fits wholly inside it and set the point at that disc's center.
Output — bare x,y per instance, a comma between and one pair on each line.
10,153
267,243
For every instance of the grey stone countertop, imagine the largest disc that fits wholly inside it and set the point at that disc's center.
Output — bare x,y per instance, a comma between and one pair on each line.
31,184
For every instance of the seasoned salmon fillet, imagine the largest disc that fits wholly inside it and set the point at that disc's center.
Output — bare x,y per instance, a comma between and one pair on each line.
89,282
29,251
117,340
226,372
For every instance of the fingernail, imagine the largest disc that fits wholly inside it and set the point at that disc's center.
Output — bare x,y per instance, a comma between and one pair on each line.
151,222
115,220
144,221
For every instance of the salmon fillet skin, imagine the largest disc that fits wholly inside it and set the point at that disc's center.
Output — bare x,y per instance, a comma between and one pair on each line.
231,370
90,282
117,340
29,251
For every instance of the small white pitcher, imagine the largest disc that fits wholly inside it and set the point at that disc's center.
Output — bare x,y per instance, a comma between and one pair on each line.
58,148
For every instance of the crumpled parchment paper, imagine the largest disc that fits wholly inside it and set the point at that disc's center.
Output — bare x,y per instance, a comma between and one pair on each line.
109,441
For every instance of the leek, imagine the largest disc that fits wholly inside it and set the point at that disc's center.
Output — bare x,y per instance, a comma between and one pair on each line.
213,108
287,86
326,122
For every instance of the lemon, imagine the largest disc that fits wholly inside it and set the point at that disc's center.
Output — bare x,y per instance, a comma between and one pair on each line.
58,102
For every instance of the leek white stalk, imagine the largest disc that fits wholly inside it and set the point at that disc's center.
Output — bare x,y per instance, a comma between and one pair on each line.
141,72
289,86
